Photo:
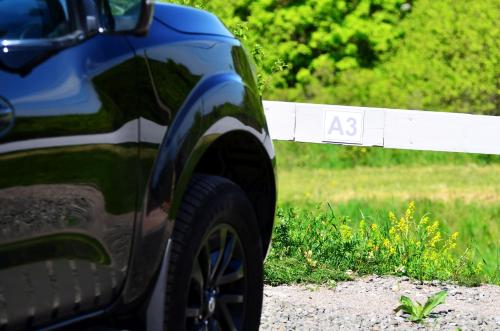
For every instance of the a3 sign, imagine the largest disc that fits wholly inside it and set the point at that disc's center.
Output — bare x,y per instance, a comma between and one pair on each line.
344,126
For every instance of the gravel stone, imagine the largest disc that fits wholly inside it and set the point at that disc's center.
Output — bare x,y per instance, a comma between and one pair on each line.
368,304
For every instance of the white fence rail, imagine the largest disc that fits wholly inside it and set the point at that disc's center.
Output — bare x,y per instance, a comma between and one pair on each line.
388,128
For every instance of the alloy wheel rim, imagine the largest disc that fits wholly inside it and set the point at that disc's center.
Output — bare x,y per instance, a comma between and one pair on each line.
217,285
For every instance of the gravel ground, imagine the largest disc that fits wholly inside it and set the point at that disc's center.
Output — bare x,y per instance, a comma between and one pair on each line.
368,304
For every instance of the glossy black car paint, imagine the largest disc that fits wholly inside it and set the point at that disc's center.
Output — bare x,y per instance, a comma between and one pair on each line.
104,137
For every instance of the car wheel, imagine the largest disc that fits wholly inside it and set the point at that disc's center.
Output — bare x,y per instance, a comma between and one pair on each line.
215,274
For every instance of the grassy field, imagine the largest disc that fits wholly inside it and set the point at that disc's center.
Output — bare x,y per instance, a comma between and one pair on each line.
460,192
441,183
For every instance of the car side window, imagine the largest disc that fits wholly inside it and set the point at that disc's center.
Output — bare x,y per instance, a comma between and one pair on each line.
33,19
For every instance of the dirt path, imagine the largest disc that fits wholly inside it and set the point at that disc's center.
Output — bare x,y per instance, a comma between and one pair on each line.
368,303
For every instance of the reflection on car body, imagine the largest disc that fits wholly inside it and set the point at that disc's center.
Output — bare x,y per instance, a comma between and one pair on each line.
101,130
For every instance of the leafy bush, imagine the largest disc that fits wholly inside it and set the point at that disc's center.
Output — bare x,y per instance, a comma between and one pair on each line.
316,39
447,61
320,247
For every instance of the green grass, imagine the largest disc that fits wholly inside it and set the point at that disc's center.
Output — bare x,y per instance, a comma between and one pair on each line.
461,192
468,183
318,156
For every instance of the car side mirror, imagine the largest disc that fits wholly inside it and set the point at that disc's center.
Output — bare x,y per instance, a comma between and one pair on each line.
145,18
117,16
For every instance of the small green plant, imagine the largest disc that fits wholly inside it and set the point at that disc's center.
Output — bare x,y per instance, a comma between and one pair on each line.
418,312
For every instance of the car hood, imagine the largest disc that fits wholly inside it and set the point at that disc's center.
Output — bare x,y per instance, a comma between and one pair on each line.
190,20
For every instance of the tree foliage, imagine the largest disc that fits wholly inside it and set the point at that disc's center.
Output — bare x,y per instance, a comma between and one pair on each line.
316,39
448,61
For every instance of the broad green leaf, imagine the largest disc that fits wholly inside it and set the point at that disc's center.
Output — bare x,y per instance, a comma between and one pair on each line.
418,310
434,301
407,306
408,309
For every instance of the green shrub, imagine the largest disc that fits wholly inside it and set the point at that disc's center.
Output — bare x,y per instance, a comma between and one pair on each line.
447,61
314,38
321,246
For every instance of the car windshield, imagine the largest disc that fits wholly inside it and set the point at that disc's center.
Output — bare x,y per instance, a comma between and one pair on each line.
33,19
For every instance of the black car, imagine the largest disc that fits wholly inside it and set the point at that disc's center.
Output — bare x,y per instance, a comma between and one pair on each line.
137,174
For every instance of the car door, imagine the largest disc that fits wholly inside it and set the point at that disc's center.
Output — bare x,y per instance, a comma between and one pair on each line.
68,167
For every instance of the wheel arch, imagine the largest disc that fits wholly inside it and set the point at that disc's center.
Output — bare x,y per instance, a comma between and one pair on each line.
221,130
234,143
241,158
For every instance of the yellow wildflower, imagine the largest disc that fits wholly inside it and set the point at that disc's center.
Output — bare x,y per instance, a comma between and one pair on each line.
403,225
451,243
435,239
432,228
362,226
430,255
424,221
345,232
450,246
410,211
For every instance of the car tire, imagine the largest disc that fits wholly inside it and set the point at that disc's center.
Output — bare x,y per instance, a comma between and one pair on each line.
215,272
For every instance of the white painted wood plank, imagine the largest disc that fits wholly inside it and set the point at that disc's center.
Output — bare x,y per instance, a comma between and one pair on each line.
389,128
280,119
449,132
310,123
374,127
